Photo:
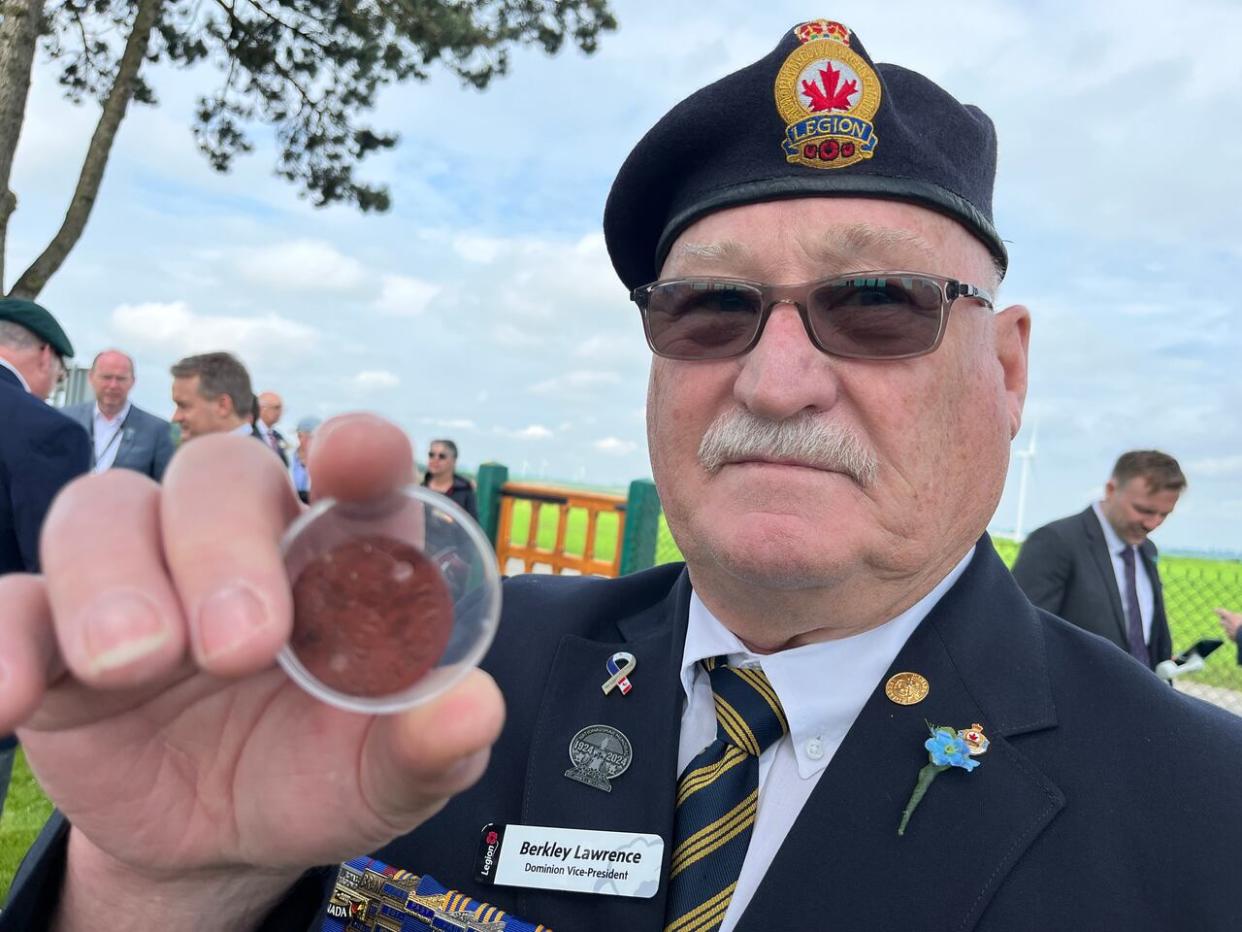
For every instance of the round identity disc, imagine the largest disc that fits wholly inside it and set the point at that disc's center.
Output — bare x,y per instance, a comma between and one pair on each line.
371,616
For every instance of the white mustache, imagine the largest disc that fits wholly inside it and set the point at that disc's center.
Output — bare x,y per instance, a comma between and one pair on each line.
804,439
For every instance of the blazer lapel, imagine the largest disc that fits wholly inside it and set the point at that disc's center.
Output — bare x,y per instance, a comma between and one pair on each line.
982,652
641,798
1103,560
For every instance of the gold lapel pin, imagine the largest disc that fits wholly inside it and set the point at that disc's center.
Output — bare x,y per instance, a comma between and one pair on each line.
907,688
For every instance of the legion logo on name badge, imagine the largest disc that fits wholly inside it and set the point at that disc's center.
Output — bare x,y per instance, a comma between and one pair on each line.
827,95
600,753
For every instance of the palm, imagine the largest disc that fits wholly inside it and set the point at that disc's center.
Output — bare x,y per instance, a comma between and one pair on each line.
209,773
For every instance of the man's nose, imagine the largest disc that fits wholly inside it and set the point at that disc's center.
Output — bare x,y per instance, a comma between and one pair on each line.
785,374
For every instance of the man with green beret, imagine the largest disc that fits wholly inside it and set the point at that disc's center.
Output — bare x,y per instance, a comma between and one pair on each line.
40,448
841,713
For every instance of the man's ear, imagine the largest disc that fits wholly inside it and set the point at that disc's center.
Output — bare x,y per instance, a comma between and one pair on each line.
1012,330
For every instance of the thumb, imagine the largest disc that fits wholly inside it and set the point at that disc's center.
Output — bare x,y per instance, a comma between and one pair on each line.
413,762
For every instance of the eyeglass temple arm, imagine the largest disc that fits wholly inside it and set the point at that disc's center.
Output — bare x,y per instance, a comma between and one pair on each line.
956,290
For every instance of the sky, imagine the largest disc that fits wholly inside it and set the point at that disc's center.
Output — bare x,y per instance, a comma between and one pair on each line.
483,307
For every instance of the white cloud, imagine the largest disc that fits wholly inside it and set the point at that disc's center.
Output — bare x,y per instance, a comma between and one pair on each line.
615,446
405,296
370,380
175,329
1216,466
481,249
576,381
509,335
531,432
449,423
301,265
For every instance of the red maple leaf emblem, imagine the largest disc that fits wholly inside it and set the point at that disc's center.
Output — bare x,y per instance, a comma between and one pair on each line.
492,838
830,96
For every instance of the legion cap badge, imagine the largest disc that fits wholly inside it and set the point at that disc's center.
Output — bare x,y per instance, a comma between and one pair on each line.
827,94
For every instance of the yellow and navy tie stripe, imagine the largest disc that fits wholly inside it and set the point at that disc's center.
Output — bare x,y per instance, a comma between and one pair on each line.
717,798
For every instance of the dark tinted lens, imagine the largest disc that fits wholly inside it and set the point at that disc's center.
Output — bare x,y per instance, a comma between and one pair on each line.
877,317
701,318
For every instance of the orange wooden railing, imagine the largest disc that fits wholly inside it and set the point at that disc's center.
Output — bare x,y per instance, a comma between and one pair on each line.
565,500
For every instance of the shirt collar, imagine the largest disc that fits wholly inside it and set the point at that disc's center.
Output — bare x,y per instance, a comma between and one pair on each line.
243,429
851,666
21,378
121,415
1115,544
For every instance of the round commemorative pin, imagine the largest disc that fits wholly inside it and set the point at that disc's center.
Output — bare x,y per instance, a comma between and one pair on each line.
394,599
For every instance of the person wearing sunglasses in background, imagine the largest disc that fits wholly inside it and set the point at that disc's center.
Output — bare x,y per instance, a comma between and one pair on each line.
40,448
874,728
442,476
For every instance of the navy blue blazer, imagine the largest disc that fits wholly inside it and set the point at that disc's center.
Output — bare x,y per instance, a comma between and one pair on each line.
145,444
1102,802
1065,568
40,451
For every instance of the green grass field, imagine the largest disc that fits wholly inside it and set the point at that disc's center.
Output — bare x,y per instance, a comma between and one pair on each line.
25,811
1192,588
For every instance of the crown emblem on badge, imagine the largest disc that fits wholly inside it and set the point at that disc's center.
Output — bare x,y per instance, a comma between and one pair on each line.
820,29
827,94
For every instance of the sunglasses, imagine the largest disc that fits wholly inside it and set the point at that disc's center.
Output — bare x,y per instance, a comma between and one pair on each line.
437,455
863,315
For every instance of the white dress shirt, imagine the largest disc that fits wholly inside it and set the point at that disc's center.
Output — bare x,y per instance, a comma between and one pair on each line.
244,429
822,687
107,439
1146,595
265,433
21,378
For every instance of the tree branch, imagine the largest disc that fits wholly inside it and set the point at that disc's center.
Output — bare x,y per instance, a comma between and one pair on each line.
313,39
35,277
19,35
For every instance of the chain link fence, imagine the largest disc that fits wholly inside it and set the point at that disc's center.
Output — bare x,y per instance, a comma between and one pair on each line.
1193,587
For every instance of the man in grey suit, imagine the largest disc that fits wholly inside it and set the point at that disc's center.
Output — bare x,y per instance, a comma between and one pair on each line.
1097,569
123,435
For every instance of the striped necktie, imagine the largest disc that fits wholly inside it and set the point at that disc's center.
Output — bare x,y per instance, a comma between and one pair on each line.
718,796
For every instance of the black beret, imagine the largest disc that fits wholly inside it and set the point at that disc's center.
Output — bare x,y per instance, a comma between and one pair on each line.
37,320
814,117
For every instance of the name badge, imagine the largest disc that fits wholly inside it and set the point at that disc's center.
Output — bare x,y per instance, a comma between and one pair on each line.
613,863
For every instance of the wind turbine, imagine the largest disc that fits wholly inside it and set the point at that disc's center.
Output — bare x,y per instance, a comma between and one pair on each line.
1026,456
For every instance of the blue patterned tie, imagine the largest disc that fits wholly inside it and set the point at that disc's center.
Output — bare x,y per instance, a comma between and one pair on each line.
1134,618
717,798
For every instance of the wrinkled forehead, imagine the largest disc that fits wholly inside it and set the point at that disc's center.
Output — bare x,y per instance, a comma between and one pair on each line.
806,238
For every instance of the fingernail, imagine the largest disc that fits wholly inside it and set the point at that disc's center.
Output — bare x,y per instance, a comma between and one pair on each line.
228,618
120,628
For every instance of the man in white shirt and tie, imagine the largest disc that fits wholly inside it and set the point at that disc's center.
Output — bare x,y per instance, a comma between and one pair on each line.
271,406
1097,569
123,435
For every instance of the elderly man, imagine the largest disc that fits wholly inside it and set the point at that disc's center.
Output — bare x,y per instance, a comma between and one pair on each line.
271,407
830,409
211,395
40,449
123,435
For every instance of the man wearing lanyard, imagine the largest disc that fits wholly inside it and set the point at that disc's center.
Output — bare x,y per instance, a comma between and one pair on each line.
123,435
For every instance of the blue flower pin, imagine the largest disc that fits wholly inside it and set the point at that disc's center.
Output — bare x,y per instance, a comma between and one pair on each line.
945,748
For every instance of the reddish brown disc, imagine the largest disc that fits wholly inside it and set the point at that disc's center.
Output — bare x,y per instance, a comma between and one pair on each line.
371,617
